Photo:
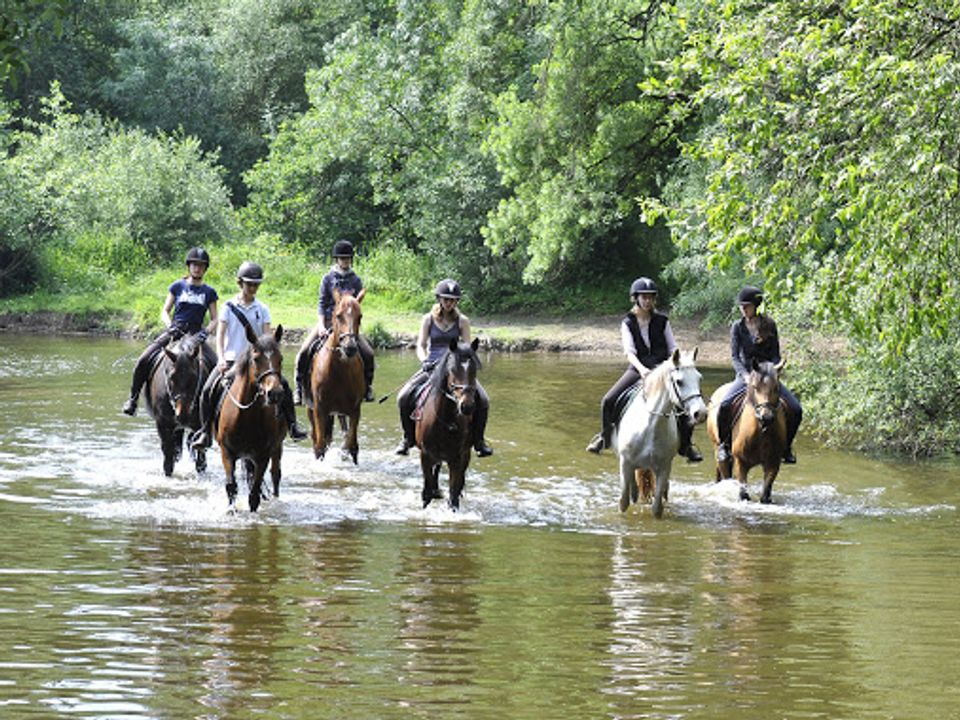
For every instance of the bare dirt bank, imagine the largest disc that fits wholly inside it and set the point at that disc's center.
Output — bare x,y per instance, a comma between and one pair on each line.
598,335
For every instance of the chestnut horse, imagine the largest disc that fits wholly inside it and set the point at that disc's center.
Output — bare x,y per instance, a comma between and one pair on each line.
336,378
759,431
444,426
173,394
251,426
647,437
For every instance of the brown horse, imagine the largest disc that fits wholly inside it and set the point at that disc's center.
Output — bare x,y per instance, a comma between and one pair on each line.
336,378
759,432
173,393
251,426
444,428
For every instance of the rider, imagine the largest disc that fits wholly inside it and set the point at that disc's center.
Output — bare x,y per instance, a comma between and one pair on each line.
647,341
442,324
342,278
231,342
190,299
753,337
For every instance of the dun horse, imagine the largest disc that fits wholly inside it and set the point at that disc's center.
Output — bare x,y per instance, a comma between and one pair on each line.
444,426
336,378
251,426
172,397
759,432
647,437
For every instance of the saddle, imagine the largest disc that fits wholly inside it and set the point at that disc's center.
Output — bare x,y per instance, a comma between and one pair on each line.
306,362
420,399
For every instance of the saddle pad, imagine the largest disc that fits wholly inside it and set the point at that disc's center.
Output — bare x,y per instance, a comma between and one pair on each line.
420,399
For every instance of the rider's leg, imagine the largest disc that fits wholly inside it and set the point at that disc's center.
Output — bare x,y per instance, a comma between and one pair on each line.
405,401
142,370
482,412
202,438
725,418
302,366
607,408
687,448
366,354
290,412
794,416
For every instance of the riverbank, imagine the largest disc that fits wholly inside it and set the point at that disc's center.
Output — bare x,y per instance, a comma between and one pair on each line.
594,335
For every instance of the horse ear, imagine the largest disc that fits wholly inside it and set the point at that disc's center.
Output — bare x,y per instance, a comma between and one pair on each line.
361,294
170,354
278,333
754,365
336,295
693,355
251,335
475,344
676,357
453,344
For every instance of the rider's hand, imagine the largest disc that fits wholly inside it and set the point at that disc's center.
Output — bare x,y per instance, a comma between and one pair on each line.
426,366
222,366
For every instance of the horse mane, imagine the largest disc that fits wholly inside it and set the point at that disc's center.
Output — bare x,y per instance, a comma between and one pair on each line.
657,378
188,343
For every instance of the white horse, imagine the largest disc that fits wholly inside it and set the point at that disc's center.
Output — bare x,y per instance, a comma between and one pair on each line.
647,436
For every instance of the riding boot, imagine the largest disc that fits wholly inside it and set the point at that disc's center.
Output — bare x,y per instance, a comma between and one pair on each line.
407,423
788,457
302,364
139,380
687,448
724,432
480,428
290,413
601,440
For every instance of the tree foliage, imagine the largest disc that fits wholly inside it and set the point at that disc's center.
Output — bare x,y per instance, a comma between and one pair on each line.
831,154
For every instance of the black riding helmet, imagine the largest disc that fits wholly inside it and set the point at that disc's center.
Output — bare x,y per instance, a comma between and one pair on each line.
343,248
250,272
448,288
642,286
197,255
750,295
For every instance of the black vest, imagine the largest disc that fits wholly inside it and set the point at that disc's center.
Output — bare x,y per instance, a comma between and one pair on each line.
658,351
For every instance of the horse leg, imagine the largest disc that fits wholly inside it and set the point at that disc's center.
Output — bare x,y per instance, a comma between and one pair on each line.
322,432
629,483
275,469
660,494
351,445
229,467
177,444
200,460
740,471
431,478
256,483
167,434
644,485
770,473
458,478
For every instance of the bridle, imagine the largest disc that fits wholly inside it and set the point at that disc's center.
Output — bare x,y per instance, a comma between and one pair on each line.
172,397
258,381
678,401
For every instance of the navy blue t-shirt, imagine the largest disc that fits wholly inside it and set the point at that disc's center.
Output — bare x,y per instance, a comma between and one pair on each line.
190,304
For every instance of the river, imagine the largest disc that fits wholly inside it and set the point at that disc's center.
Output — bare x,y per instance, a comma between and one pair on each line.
127,594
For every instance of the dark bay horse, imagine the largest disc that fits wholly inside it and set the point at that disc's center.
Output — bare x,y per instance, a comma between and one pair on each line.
444,426
759,431
337,385
173,394
251,426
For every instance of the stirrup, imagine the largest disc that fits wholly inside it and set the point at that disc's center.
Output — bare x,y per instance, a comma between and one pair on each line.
483,450
788,457
201,440
129,407
368,396
691,453
403,448
296,432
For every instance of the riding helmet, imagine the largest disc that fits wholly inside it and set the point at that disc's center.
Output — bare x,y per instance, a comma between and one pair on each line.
343,248
643,286
750,295
250,272
448,289
197,255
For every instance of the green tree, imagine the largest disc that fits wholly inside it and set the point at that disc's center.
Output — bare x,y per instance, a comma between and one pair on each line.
832,157
22,23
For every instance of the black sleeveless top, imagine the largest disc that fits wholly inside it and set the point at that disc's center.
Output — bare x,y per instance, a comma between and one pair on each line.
657,352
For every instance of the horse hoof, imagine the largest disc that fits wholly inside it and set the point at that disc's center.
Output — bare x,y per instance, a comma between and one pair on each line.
744,495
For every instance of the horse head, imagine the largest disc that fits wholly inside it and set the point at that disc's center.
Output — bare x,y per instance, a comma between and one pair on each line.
685,385
763,386
262,365
458,372
184,380
346,323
